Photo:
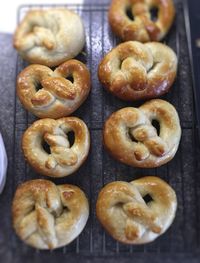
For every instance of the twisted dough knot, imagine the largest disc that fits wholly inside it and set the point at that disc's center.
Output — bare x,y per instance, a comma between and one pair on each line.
63,158
57,96
135,71
123,211
47,216
50,36
141,27
130,136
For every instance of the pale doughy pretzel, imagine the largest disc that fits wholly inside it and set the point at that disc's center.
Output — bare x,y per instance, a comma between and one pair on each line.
126,216
47,216
63,159
132,139
50,37
135,71
57,97
142,28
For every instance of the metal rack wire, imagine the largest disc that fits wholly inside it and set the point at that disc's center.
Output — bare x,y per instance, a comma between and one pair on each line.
100,168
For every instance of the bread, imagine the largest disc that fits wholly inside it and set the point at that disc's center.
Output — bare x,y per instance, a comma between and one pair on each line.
50,36
61,159
135,71
58,96
124,211
46,216
131,138
140,25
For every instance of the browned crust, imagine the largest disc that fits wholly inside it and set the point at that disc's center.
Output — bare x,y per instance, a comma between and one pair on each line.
137,85
40,127
118,148
45,193
115,191
53,83
142,29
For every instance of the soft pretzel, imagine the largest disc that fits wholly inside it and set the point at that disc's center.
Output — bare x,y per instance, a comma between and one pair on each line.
131,138
50,37
47,216
57,97
135,71
63,158
122,210
141,27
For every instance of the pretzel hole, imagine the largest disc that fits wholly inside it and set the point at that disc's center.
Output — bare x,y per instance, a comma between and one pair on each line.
131,136
38,86
119,205
120,62
153,67
71,138
46,147
147,198
31,29
129,14
154,13
70,78
156,125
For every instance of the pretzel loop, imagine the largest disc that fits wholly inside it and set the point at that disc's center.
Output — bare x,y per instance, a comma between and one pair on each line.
130,136
141,26
62,158
123,211
47,216
50,36
135,71
57,96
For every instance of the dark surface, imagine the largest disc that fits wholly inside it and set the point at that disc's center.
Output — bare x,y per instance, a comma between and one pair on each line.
194,45
181,242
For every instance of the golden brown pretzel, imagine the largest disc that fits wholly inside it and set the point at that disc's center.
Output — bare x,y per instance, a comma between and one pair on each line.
58,96
50,37
142,28
63,158
135,71
131,138
47,216
124,213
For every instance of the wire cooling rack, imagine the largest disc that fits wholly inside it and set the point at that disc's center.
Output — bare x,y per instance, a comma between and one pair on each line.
182,173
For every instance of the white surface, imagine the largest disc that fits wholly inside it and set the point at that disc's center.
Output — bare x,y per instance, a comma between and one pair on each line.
8,11
3,164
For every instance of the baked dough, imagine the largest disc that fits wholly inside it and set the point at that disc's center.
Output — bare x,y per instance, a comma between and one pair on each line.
130,137
58,96
50,36
61,159
136,71
122,210
141,26
47,216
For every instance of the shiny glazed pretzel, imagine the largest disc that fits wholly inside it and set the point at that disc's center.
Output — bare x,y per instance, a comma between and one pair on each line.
57,96
131,138
47,216
141,27
124,213
62,158
135,71
50,37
